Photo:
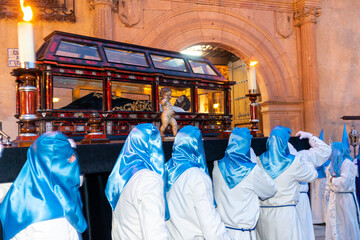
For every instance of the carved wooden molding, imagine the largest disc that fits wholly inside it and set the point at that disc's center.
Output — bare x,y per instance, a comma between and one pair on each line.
307,15
48,10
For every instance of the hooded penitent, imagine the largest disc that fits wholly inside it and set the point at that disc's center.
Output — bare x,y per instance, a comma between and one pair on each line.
46,187
277,158
142,150
236,164
339,153
188,152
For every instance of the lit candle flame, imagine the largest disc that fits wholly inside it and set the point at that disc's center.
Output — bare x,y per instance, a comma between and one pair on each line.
27,11
253,63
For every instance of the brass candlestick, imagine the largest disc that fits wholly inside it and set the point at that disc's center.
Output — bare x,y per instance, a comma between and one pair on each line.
254,129
95,135
26,105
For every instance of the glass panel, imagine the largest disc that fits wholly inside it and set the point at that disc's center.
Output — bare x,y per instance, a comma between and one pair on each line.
77,93
169,63
211,101
180,98
202,68
126,57
78,50
130,96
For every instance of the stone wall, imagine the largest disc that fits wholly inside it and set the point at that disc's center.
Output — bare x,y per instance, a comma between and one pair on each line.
253,30
338,48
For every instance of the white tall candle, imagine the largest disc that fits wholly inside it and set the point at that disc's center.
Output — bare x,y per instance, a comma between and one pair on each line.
252,77
26,44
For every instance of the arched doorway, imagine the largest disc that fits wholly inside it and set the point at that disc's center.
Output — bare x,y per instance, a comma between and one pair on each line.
277,76
235,70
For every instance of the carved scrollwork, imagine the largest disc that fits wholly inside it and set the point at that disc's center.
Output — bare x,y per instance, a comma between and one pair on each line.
48,10
114,4
307,15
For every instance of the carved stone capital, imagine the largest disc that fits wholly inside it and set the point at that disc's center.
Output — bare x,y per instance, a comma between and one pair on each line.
111,3
307,15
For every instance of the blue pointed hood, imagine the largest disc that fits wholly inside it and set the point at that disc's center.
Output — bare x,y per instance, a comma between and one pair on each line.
345,138
142,150
338,154
277,158
236,164
188,152
46,187
321,170
321,136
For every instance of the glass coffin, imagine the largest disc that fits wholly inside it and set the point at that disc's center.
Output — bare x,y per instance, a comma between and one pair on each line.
120,84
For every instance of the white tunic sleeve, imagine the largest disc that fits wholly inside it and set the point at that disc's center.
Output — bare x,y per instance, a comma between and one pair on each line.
152,208
253,156
319,152
305,171
263,185
212,226
4,188
344,183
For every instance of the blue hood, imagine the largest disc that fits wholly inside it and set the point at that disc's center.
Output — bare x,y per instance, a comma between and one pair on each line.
46,187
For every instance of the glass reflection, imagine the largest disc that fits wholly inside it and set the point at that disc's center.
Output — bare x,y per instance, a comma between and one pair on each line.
211,101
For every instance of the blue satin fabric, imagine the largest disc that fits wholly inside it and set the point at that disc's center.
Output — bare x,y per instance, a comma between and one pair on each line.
46,187
142,150
321,170
236,164
345,138
277,158
339,153
188,152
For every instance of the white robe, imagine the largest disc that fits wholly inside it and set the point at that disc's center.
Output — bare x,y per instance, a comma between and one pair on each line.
342,219
55,229
140,211
318,154
239,207
279,218
192,211
4,188
318,202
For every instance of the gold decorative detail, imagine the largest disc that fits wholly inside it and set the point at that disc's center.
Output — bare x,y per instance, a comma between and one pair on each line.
139,105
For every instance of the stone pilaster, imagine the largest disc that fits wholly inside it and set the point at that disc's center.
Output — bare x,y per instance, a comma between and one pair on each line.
306,19
103,17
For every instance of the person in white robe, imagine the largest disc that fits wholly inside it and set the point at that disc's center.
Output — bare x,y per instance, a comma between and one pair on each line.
44,201
317,191
238,185
4,187
318,154
279,218
342,218
189,191
135,188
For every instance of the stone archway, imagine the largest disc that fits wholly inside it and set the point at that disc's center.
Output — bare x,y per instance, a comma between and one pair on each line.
277,75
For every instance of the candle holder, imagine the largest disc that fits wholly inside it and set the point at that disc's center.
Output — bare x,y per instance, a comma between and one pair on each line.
354,139
254,129
95,135
26,104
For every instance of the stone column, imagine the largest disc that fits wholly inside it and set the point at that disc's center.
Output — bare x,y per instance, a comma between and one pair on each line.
103,18
306,19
